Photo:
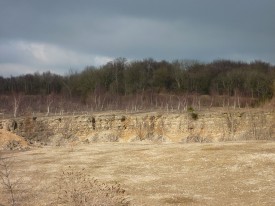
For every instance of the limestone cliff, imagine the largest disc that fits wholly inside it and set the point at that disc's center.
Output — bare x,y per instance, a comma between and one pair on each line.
154,126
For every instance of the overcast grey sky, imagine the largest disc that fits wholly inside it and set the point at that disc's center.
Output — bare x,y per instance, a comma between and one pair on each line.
59,35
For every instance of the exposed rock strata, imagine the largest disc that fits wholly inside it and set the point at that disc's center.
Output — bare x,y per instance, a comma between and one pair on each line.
154,126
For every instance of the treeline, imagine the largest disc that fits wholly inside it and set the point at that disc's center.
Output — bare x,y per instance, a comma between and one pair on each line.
151,79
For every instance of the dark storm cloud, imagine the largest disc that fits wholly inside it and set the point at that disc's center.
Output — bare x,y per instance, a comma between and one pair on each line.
68,33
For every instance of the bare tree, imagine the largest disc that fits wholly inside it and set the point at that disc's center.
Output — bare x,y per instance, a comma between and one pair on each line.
16,103
49,103
6,179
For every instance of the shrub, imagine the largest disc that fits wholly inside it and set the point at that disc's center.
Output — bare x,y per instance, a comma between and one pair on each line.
190,109
192,113
194,116
7,181
78,188
195,138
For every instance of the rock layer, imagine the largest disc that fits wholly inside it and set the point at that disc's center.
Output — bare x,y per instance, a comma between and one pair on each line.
199,126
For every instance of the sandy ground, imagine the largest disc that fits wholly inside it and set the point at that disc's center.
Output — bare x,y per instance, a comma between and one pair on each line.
9,140
236,173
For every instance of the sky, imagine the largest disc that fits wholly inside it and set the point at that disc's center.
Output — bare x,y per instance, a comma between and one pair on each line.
65,35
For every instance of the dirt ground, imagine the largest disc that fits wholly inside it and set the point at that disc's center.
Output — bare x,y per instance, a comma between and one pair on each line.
231,173
11,141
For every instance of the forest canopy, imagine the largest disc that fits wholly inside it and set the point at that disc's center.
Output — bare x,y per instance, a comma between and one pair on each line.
254,81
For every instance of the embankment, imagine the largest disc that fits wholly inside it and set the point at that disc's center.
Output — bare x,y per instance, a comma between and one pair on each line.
192,126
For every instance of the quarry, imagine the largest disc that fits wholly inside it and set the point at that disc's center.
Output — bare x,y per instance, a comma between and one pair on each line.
221,157
155,127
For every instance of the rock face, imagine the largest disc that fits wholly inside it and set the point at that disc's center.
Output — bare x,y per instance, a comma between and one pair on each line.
154,126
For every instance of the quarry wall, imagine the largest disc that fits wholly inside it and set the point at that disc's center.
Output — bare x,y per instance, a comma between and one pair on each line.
190,126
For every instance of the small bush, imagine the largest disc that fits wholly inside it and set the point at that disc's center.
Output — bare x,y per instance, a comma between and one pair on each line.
78,188
8,183
199,139
194,116
190,109
192,113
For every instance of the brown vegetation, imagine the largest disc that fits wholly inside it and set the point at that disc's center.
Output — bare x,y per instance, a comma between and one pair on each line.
152,174
140,85
77,188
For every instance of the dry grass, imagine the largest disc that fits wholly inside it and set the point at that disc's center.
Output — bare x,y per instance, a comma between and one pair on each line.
235,173
77,188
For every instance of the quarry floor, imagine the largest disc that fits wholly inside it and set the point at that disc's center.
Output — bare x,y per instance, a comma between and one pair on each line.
230,173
